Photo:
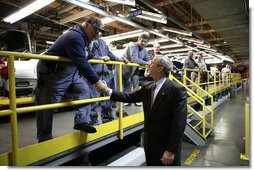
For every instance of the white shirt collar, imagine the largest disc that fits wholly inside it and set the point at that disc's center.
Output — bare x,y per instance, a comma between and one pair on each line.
160,82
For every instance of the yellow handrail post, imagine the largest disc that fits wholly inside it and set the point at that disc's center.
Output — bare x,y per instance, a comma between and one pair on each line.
212,112
14,122
184,79
214,80
208,81
198,81
228,83
204,120
246,154
120,84
219,80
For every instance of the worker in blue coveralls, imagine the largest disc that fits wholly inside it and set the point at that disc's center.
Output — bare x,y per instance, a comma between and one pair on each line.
101,51
138,54
56,79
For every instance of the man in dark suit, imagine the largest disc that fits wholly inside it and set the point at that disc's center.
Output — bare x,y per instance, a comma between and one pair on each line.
165,111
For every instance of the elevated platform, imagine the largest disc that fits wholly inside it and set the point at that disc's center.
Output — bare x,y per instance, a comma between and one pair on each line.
75,143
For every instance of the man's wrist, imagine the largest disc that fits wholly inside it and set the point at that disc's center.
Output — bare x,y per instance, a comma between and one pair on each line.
110,91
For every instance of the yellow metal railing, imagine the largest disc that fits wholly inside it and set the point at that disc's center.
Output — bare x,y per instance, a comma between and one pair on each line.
218,85
201,101
30,154
246,154
204,108
14,158
217,81
207,94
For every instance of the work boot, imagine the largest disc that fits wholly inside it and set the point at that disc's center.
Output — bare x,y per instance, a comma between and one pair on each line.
84,126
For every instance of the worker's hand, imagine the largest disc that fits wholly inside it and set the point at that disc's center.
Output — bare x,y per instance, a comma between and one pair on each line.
108,91
167,158
105,58
101,86
126,61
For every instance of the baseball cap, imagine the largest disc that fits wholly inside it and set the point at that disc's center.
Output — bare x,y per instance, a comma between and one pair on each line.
96,23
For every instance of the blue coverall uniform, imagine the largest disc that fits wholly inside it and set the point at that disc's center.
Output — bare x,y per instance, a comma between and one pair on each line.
105,72
56,79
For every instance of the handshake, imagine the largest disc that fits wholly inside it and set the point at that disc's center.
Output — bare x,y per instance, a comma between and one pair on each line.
101,86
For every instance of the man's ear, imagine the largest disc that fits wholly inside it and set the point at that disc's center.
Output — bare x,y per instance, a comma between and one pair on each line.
161,68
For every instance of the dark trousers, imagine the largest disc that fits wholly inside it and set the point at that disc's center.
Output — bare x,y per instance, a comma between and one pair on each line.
51,88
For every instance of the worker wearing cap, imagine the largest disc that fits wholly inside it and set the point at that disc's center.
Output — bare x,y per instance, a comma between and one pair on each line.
56,79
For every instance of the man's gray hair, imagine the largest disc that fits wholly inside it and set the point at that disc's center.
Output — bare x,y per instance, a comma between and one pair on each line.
166,63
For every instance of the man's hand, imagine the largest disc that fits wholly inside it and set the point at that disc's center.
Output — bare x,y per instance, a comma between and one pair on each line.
126,61
101,86
167,158
105,58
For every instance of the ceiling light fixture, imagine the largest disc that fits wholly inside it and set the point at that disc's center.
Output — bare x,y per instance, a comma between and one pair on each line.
50,42
175,50
126,2
160,40
167,46
26,11
203,45
206,48
160,18
176,54
193,40
186,33
122,36
107,20
158,33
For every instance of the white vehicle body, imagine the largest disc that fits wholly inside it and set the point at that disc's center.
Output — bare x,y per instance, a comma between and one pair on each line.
25,70
25,75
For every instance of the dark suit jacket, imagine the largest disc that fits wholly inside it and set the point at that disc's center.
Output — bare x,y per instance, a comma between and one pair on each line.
164,123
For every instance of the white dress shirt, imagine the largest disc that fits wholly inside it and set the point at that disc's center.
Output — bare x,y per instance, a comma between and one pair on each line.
159,84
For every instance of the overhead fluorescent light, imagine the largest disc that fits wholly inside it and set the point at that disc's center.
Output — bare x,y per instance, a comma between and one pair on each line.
192,48
203,45
216,53
206,48
175,50
160,40
160,18
26,11
50,42
122,36
209,50
213,61
193,40
183,32
167,46
158,33
107,20
126,2
226,58
176,54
